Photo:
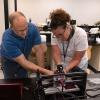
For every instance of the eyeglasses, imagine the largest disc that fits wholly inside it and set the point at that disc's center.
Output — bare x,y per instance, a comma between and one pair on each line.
59,35
20,29
25,29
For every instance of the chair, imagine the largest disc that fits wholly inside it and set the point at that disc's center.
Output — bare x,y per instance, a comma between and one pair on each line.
10,91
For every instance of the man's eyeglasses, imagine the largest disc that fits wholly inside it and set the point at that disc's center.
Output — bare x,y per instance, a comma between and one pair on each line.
26,28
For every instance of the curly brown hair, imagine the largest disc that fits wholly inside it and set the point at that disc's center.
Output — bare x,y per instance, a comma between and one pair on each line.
59,17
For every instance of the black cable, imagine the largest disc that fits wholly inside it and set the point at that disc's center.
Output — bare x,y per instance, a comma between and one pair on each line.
72,96
63,98
92,96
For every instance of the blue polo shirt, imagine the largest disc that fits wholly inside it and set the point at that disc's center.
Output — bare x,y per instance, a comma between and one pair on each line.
13,46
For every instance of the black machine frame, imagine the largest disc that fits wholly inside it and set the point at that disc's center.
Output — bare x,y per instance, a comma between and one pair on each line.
77,78
35,89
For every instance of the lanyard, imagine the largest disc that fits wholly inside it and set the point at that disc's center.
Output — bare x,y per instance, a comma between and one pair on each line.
63,44
65,49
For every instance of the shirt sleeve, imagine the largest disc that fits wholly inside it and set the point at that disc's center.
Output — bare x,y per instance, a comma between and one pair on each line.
81,42
10,50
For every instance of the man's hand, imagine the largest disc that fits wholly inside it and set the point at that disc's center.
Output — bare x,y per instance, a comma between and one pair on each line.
49,72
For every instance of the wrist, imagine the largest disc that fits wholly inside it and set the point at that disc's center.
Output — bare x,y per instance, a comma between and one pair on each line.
66,70
48,72
60,63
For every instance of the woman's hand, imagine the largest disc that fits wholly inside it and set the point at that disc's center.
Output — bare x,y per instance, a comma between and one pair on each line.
66,70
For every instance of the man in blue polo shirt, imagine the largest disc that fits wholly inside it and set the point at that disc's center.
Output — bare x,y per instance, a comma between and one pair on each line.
17,43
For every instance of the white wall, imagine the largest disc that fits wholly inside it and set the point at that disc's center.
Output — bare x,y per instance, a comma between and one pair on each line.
84,11
11,6
2,22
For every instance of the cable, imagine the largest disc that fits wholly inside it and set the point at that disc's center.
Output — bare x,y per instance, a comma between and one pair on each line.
93,96
72,96
63,98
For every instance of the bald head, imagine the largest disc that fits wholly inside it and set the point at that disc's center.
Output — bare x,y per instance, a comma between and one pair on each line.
15,16
18,23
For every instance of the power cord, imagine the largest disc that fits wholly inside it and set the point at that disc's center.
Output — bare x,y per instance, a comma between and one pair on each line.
70,95
92,96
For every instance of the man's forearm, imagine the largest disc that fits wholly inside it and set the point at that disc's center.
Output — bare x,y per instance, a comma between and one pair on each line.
31,66
40,58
